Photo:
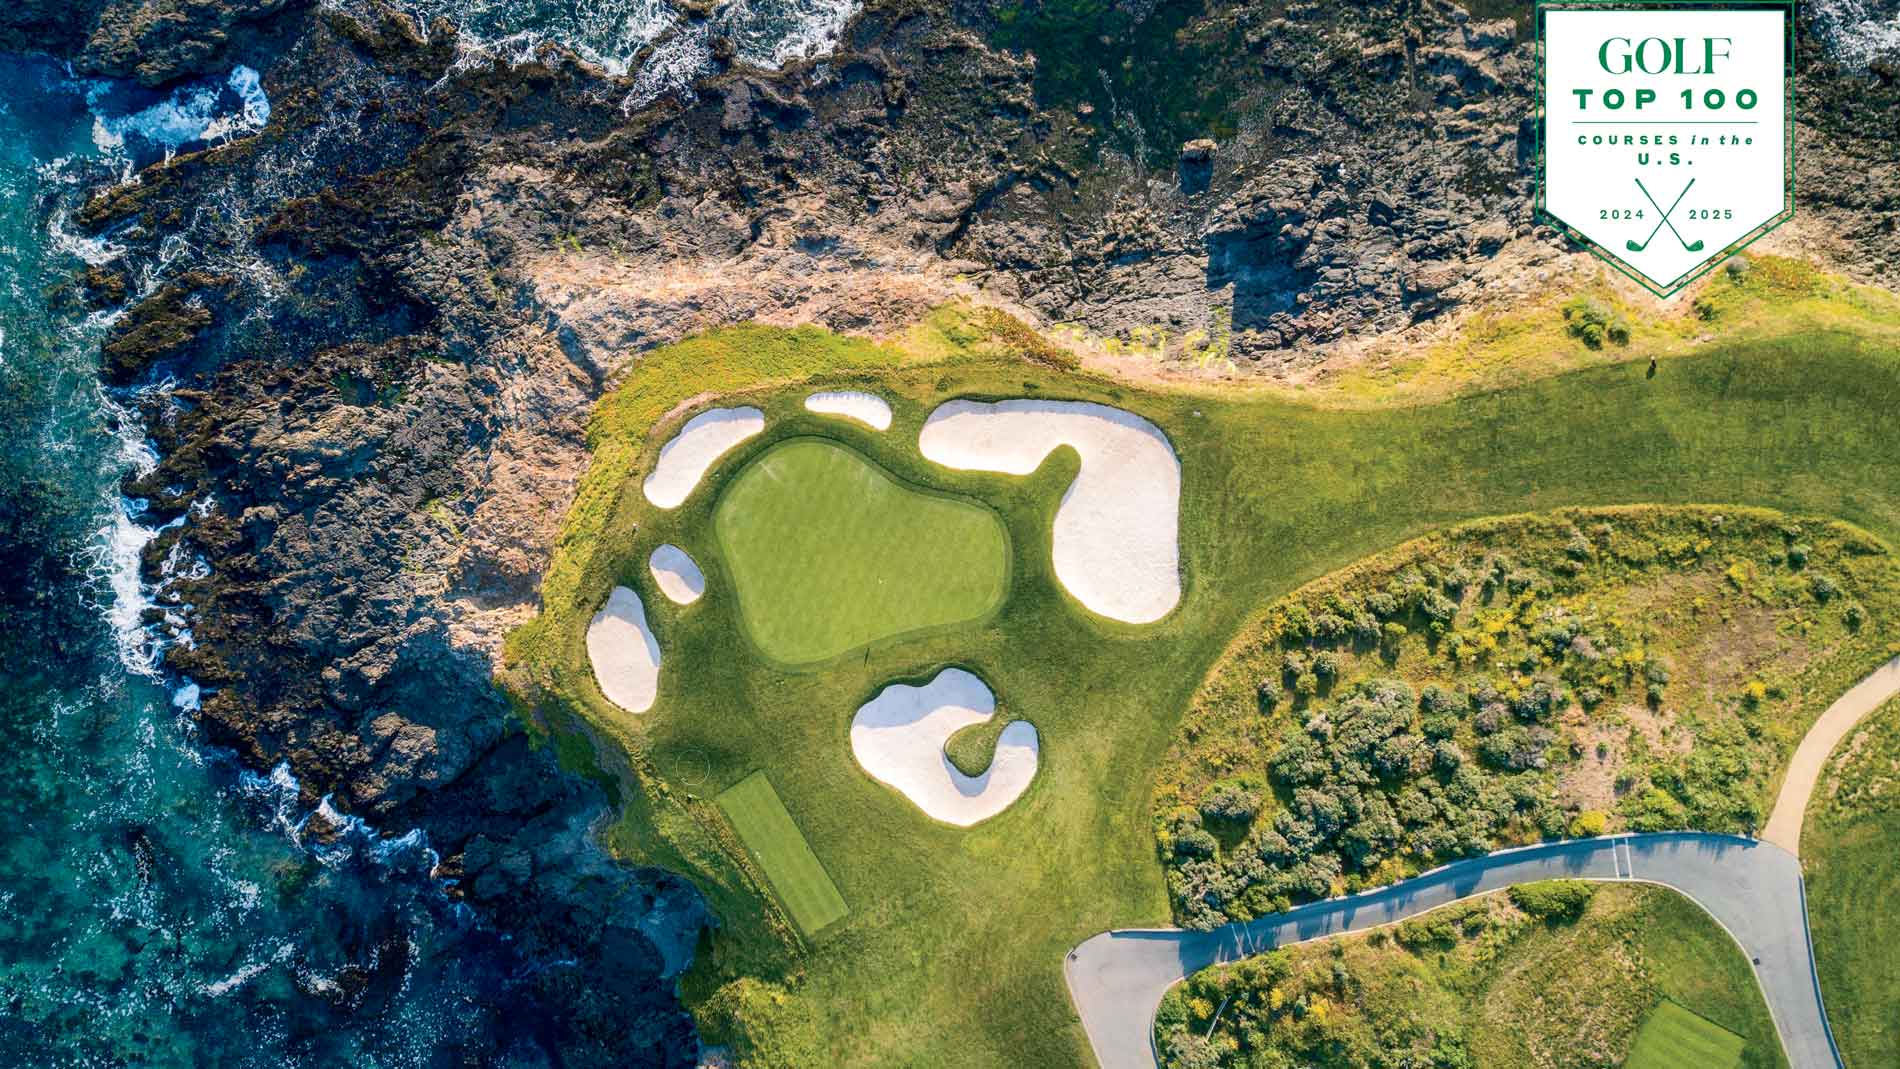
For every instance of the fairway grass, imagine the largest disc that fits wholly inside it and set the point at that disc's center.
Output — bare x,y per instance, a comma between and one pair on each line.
796,874
830,553
952,953
1674,1038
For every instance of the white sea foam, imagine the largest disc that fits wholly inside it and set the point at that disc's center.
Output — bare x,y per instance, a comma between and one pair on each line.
610,34
196,112
772,33
1854,35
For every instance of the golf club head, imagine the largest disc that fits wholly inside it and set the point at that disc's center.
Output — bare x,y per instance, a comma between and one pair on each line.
1635,247
1694,246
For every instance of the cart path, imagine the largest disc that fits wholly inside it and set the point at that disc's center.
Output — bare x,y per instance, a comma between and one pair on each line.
1810,758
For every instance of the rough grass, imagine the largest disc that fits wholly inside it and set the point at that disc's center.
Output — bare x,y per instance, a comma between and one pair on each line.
1480,983
1767,298
828,553
952,953
795,873
1851,847
1675,1038
1685,652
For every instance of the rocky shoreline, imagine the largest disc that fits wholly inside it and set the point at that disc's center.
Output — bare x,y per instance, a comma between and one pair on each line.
384,319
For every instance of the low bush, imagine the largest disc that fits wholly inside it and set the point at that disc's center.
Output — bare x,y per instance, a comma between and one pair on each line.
1554,900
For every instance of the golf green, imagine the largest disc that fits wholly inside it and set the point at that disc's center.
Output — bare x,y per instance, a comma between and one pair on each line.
1676,1038
795,873
829,553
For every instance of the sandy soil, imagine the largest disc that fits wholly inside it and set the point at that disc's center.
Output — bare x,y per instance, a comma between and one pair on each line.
685,459
624,653
898,737
867,408
677,574
1116,538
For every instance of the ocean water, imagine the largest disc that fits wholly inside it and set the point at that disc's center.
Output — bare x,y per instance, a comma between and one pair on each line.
160,906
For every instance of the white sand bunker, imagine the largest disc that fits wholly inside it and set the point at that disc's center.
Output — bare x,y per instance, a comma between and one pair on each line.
898,737
685,459
1117,542
867,408
624,653
677,574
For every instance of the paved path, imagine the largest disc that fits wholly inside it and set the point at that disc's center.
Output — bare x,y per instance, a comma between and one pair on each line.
1753,888
1810,758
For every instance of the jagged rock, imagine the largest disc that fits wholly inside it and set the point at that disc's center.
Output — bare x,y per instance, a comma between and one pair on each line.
1198,150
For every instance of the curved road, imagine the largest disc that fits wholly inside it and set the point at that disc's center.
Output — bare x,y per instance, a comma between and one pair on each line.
1753,888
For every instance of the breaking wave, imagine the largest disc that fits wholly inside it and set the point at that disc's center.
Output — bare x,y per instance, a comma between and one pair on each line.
613,34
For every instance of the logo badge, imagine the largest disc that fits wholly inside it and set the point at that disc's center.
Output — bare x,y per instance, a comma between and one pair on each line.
1667,131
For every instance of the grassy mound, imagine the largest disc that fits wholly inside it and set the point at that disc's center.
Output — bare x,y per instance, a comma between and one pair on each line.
1620,975
952,953
1515,679
829,553
1848,845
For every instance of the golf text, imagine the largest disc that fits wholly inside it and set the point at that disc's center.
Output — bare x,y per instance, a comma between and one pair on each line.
1665,131
1656,55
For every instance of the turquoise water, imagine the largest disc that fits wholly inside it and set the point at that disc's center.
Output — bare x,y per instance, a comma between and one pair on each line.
157,905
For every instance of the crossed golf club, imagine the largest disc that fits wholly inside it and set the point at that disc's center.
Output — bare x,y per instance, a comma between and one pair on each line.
1689,246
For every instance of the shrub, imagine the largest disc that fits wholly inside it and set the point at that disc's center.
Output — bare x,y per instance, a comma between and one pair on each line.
1394,634
1365,626
1589,824
1517,749
1269,693
1854,616
1823,588
1194,843
1230,802
1554,900
1593,322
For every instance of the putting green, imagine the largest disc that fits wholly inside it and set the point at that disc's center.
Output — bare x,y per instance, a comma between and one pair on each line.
829,553
1676,1038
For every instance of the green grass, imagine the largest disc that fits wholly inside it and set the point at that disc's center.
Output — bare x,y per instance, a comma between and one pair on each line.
1631,975
952,954
830,553
1850,846
796,874
1675,1038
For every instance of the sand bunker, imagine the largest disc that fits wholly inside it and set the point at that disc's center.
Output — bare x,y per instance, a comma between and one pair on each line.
898,737
676,574
1116,539
867,408
685,459
625,656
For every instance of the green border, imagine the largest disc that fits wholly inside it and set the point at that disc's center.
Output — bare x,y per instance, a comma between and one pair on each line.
1541,214
989,613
